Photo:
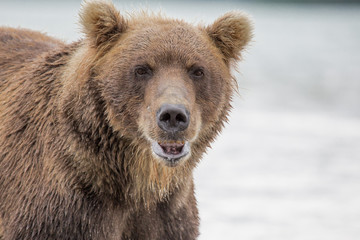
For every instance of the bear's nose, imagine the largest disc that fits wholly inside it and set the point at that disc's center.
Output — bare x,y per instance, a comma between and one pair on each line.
173,117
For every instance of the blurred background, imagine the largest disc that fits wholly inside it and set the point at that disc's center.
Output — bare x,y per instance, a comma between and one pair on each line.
287,165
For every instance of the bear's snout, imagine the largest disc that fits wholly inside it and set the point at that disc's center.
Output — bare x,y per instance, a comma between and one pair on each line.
173,118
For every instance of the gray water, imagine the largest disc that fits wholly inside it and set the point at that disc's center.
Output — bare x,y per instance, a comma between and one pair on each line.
287,165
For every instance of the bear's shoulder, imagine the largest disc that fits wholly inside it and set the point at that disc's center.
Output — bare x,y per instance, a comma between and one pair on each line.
19,44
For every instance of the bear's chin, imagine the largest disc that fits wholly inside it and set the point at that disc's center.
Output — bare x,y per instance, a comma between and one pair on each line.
172,153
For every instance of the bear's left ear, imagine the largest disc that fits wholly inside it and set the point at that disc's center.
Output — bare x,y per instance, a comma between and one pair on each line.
231,33
101,22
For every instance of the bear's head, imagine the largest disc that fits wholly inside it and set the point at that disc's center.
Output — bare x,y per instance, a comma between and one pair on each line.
166,85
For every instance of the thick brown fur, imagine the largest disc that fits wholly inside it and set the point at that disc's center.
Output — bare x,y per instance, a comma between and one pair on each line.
76,126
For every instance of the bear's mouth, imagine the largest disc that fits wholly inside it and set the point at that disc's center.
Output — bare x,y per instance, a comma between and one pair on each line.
171,151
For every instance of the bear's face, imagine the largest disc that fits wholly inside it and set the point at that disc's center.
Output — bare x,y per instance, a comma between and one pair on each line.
166,83
169,80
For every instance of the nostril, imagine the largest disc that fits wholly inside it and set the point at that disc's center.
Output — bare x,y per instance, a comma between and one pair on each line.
181,118
165,117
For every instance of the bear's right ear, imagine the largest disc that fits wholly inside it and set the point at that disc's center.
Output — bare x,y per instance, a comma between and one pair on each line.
101,22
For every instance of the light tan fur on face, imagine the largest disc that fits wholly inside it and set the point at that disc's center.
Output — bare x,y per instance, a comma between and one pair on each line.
170,86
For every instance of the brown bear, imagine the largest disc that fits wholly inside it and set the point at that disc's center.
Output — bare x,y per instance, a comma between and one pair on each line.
99,138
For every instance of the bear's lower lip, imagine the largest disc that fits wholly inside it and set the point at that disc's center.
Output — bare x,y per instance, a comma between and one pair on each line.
171,151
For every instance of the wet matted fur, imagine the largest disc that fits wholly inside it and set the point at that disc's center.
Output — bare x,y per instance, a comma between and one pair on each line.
78,124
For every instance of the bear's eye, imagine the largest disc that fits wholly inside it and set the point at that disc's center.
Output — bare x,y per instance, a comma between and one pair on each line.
197,72
143,71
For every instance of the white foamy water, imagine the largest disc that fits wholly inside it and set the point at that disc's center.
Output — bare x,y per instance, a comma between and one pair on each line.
287,165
